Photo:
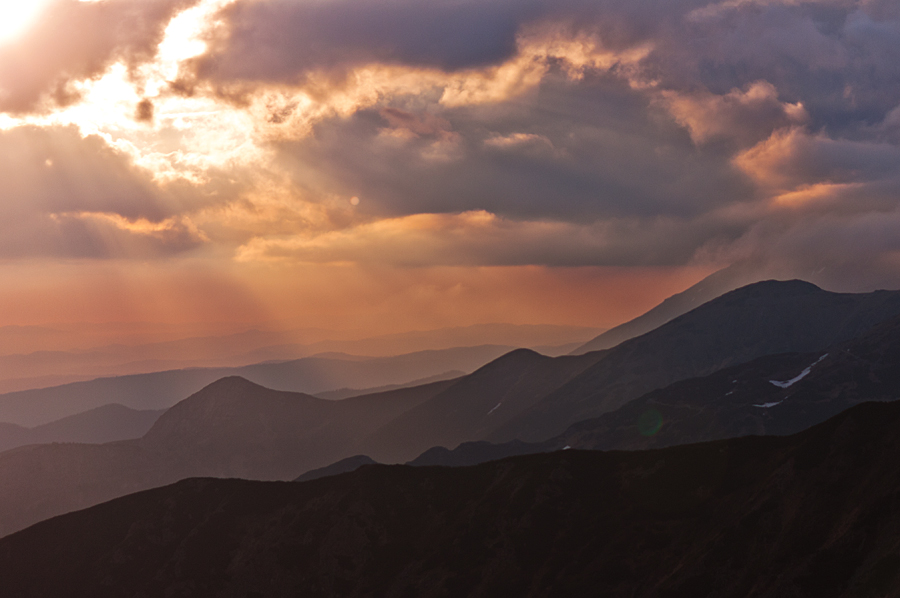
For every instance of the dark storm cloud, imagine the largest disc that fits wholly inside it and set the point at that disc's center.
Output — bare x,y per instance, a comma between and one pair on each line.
68,196
75,40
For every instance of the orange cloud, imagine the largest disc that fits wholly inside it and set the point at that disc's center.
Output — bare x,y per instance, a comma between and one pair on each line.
748,115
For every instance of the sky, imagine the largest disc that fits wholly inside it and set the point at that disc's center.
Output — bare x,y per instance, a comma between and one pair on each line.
388,165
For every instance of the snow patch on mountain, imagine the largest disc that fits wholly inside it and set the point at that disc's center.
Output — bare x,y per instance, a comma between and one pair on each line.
798,377
767,405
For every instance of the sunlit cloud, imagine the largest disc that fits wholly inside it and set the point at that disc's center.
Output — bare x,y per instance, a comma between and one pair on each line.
480,238
16,17
748,116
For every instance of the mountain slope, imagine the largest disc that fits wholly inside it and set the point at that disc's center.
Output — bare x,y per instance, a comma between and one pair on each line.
475,405
714,285
773,395
108,423
235,428
780,394
809,515
760,319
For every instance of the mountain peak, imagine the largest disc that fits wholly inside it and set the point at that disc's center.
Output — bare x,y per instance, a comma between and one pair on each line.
227,388
789,288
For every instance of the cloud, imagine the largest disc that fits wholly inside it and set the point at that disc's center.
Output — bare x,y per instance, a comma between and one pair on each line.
74,40
584,151
747,116
482,239
279,39
793,158
65,195
489,132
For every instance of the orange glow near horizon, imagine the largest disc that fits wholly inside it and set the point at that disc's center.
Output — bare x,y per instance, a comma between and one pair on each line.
371,301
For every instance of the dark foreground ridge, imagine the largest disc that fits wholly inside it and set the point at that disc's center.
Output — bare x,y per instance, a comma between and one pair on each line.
815,514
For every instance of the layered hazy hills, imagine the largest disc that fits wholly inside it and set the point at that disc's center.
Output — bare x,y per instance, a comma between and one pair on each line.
31,357
310,375
815,514
102,424
772,395
760,319
237,428
232,428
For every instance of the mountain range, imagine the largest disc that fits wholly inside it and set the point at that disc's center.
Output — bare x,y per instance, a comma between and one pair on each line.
236,428
772,395
31,357
311,375
810,515
107,423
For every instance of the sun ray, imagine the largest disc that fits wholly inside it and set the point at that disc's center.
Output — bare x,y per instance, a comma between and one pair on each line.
17,16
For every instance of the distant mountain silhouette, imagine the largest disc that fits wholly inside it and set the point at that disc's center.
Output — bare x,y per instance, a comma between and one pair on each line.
764,318
26,363
714,285
310,375
809,515
342,466
345,393
103,424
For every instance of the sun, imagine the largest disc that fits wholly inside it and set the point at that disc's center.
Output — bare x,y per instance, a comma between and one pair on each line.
17,15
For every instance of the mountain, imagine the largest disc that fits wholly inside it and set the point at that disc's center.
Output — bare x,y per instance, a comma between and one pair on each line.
714,285
530,397
28,367
235,428
231,428
345,393
103,424
780,394
764,318
343,466
531,336
475,405
161,390
815,514
34,357
773,395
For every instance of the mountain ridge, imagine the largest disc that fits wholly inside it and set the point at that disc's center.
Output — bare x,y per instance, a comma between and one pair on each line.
806,515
